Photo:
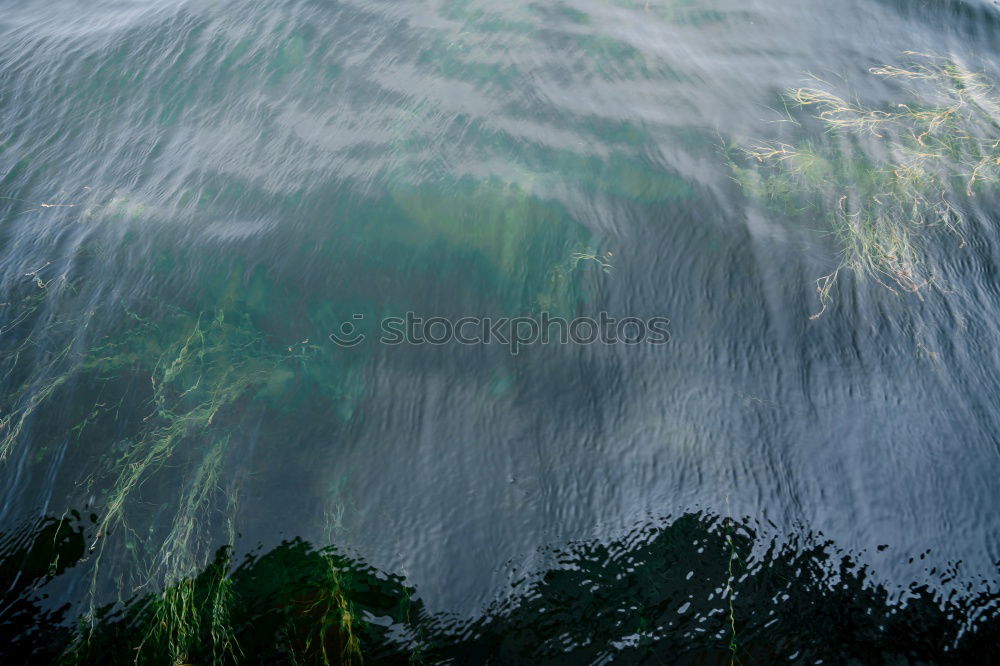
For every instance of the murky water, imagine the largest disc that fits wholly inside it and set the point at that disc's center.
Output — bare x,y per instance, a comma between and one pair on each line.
195,195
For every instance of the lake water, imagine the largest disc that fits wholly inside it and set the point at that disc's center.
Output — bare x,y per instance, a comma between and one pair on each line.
195,195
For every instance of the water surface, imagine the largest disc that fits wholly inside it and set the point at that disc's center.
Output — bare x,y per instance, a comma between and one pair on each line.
196,194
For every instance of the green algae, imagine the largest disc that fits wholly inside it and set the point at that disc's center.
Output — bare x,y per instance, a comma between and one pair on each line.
35,388
497,222
501,228
157,391
295,604
183,376
880,178
708,588
198,367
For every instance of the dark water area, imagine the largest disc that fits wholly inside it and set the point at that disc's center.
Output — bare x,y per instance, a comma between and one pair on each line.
658,593
196,196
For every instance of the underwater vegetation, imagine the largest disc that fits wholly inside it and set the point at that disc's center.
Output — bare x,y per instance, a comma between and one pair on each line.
165,397
698,589
196,368
161,396
203,366
294,604
880,177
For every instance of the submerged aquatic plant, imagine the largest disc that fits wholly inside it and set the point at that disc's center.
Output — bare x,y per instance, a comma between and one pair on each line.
157,397
880,177
167,389
198,366
292,605
671,592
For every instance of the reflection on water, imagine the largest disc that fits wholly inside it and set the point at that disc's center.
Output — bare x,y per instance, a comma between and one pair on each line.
194,195
697,589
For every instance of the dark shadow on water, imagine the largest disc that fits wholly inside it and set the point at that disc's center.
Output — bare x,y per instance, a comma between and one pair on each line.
660,594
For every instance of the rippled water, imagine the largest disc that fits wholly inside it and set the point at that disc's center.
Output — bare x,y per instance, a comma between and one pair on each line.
196,194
